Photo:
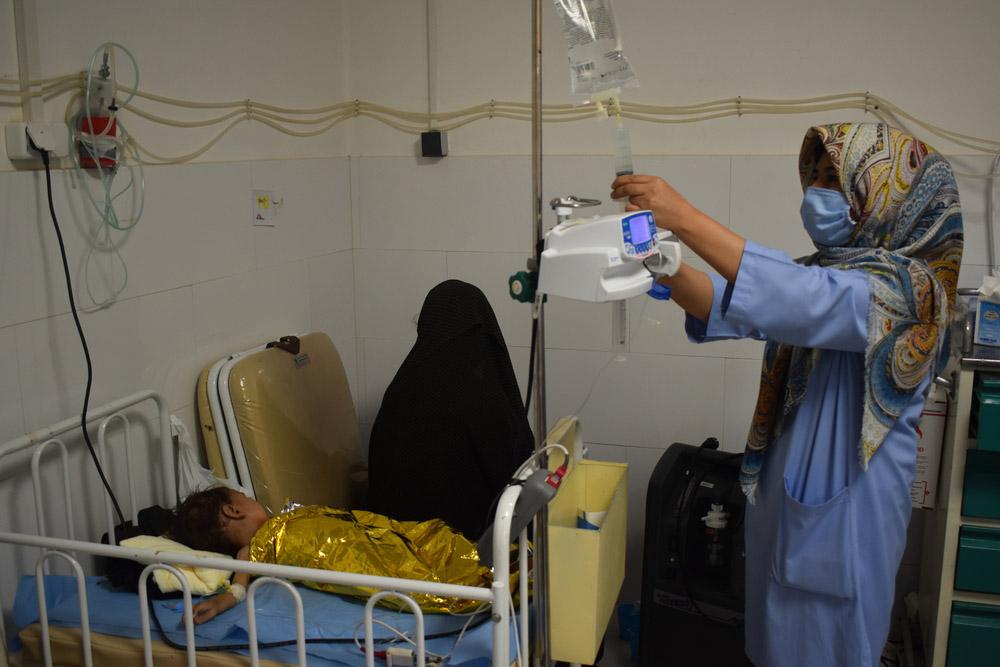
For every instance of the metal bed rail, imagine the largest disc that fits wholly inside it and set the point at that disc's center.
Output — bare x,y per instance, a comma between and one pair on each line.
11,452
499,596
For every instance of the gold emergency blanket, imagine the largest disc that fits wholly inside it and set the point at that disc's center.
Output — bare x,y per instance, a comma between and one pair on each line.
368,543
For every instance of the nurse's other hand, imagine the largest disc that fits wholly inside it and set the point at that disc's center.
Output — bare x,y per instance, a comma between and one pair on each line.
653,193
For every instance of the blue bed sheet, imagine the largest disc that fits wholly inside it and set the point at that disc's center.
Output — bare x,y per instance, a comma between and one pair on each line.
327,616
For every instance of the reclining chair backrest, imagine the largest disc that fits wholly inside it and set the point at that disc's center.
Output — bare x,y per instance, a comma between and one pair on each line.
296,424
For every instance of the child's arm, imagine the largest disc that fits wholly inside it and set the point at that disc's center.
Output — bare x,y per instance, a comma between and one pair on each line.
212,607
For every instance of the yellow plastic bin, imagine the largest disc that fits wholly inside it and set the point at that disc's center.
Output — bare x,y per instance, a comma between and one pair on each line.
586,567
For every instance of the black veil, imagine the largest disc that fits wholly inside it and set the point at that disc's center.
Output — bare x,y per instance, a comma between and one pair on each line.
452,427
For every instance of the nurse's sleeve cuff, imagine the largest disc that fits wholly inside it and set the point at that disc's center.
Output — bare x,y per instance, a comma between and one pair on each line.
717,327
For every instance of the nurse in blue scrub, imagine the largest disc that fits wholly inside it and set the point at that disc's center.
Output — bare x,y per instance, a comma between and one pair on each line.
854,336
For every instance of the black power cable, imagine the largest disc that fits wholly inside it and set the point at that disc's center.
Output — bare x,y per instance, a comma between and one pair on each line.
531,365
79,329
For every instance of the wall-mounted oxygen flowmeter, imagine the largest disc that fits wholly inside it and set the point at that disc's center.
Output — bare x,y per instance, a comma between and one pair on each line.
604,258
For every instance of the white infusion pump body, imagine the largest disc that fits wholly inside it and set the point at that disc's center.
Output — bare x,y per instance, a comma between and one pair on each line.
606,258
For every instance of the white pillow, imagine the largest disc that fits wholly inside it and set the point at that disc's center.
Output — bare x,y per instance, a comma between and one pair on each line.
201,580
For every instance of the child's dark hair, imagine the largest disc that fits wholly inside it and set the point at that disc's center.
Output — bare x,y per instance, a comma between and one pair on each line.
198,521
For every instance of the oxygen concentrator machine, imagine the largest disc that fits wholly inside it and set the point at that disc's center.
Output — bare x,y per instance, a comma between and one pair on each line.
693,560
604,258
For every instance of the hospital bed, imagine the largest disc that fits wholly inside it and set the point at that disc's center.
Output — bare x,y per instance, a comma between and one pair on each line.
278,421
70,620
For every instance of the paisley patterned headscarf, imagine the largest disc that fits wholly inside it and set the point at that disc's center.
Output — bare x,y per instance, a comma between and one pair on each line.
908,239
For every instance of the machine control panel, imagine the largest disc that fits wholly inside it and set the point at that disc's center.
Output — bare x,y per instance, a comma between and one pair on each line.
639,235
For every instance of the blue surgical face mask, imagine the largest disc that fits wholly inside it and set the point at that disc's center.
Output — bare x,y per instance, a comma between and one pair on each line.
827,216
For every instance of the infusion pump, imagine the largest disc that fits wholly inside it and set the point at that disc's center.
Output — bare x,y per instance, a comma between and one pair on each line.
605,258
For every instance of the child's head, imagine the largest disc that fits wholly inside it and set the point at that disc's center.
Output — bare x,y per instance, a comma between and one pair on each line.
219,519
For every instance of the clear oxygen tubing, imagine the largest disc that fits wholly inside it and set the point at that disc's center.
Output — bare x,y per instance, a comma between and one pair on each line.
101,239
324,118
415,122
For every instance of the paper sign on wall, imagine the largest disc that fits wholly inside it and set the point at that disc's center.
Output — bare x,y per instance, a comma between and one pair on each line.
262,207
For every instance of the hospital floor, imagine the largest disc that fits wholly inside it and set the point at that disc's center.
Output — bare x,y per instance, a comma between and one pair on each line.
618,653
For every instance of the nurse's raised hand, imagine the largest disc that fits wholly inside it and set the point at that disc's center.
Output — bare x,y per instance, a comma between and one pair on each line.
671,210
714,243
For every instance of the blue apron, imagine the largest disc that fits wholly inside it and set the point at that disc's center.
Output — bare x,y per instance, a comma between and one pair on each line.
824,539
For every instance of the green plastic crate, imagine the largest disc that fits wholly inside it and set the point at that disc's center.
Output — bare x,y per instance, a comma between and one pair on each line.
978,560
975,635
981,497
989,381
988,419
986,414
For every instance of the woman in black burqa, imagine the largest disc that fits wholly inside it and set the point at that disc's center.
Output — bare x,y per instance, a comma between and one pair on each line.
452,427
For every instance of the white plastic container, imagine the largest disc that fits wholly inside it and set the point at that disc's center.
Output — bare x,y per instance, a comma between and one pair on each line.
930,431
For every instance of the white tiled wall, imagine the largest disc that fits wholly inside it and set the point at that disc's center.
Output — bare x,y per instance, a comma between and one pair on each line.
313,209
462,203
975,192
202,282
331,301
382,358
28,251
765,202
11,414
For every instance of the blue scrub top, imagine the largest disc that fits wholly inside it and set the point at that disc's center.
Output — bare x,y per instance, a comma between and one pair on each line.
825,538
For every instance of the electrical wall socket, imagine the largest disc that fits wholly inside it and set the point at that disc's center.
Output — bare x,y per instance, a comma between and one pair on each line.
53,137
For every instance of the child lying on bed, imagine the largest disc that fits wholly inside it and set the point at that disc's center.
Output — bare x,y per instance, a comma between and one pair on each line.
229,522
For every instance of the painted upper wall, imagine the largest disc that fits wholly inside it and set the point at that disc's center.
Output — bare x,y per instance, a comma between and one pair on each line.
290,54
934,59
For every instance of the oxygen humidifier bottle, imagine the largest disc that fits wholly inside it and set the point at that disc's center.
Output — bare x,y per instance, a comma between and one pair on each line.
715,545
98,125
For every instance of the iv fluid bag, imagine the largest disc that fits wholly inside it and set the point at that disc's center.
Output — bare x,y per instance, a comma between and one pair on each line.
596,60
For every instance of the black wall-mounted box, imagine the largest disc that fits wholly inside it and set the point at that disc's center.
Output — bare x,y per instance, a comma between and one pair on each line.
433,143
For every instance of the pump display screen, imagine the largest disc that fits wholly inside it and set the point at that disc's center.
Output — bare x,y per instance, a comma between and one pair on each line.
637,233
640,229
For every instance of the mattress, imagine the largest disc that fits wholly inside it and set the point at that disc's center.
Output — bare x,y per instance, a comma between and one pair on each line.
329,618
117,651
296,425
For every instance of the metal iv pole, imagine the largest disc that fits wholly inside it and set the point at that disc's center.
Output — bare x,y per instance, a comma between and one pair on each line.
542,648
